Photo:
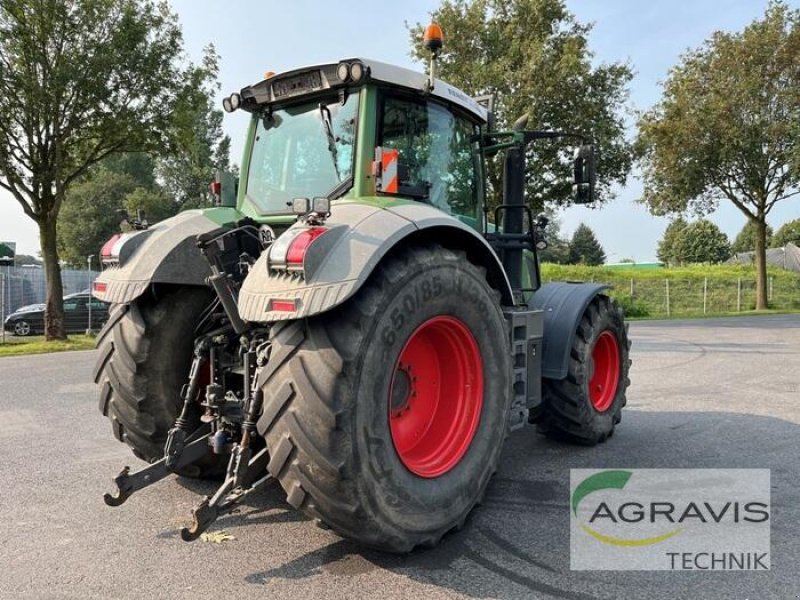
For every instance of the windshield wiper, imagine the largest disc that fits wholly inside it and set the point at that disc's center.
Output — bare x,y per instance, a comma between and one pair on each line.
325,116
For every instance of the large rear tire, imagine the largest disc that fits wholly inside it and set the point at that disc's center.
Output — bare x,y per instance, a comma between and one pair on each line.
421,352
145,354
585,406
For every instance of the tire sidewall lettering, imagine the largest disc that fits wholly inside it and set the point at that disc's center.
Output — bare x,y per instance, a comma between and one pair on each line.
456,290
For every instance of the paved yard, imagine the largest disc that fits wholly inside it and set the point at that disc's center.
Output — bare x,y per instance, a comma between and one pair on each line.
715,393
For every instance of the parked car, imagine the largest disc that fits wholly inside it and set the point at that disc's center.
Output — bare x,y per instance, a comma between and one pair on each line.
29,320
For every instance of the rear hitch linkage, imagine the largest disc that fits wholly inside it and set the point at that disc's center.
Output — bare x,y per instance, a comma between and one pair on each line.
246,471
244,468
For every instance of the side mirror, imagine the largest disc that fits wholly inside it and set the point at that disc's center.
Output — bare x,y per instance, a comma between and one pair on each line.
585,174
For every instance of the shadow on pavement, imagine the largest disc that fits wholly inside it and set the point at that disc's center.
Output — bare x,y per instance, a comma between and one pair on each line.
516,544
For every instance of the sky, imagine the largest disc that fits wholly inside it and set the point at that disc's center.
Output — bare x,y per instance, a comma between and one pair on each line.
256,36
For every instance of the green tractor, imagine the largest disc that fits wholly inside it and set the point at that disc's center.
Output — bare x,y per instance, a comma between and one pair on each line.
350,320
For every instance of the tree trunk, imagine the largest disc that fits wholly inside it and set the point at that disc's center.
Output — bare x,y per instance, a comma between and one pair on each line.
761,262
54,313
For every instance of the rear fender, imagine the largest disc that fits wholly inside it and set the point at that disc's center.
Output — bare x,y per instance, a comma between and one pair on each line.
338,263
165,253
563,305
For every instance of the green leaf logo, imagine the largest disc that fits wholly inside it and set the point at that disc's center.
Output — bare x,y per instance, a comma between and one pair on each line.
599,481
608,480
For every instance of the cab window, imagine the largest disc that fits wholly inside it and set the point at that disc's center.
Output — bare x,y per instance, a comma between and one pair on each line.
438,161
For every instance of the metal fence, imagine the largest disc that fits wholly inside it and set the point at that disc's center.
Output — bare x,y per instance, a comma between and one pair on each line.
20,286
675,297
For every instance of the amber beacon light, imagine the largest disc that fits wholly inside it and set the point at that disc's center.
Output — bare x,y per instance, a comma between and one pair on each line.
432,39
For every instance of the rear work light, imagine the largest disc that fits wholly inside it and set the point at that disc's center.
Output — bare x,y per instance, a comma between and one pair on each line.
289,250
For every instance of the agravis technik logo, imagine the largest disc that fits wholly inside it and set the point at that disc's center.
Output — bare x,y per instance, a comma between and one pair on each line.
704,519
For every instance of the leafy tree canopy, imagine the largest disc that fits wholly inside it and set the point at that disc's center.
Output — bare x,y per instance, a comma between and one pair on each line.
535,57
701,242
746,239
788,232
557,250
667,249
201,147
79,81
726,128
90,216
22,260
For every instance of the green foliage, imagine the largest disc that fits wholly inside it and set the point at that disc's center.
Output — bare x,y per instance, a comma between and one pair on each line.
534,55
584,248
201,148
789,232
721,283
22,346
90,216
80,81
701,242
667,247
153,202
634,307
727,125
158,185
22,260
746,239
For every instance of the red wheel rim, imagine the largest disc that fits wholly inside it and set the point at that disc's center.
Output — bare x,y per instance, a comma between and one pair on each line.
605,377
435,396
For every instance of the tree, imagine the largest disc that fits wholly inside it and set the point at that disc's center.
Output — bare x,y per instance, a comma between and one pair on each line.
584,248
79,81
163,185
534,56
787,233
726,128
667,251
23,260
202,149
746,239
701,242
90,216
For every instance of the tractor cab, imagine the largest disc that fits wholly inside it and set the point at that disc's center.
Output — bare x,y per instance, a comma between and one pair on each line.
360,129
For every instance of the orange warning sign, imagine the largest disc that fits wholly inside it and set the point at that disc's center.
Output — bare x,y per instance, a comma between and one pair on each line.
389,181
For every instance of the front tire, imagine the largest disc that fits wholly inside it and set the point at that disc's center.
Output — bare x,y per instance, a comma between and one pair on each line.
585,407
22,328
145,354
340,424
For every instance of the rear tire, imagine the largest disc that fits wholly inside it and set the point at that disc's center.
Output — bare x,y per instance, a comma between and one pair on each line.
585,406
330,403
145,354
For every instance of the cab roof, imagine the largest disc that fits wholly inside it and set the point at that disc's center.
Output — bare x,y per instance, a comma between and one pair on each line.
315,78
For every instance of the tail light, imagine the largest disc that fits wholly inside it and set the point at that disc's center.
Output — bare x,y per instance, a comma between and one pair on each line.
289,250
109,253
106,252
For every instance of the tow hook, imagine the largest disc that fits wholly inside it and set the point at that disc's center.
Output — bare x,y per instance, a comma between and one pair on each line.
128,482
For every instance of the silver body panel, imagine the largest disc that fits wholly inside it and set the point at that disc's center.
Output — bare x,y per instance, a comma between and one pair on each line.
334,272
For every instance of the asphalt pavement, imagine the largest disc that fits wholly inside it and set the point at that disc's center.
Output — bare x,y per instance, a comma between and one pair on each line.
719,393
